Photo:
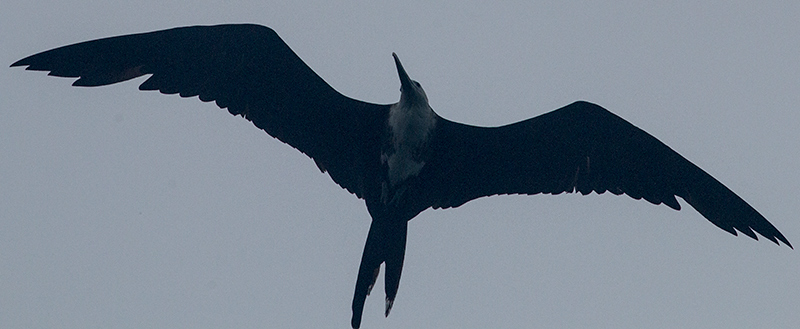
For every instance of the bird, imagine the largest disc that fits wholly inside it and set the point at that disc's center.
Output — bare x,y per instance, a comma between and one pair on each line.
401,158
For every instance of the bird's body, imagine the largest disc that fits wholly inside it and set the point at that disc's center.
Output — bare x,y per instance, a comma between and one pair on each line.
410,126
401,158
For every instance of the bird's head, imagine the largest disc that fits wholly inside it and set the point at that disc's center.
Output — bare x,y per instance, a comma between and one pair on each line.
410,91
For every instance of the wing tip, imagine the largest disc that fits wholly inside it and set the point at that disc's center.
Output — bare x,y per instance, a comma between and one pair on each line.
777,239
783,239
28,63
771,234
20,62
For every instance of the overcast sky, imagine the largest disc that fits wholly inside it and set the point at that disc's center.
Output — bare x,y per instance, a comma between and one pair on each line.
124,209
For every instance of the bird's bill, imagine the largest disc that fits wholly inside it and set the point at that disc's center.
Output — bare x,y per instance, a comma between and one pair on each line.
405,81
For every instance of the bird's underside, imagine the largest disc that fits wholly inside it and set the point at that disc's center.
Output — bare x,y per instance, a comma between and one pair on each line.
377,151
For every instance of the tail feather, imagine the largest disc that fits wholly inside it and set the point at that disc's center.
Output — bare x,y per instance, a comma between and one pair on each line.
386,242
395,254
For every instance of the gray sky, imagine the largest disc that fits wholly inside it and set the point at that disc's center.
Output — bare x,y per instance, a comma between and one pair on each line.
123,209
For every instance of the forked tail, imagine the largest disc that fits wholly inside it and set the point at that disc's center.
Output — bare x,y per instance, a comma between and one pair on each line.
386,242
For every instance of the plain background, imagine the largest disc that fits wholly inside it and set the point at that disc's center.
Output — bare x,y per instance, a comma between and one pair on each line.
123,209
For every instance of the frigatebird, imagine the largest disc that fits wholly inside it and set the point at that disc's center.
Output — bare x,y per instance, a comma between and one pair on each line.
401,158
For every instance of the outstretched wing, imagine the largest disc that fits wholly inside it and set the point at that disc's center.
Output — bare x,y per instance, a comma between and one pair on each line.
580,147
245,68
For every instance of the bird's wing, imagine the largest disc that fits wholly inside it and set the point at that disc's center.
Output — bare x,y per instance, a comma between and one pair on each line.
245,68
580,147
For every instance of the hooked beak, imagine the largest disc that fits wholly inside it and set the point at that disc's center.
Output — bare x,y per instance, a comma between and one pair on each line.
405,81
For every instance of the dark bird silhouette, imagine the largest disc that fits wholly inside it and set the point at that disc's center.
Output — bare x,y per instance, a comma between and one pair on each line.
401,158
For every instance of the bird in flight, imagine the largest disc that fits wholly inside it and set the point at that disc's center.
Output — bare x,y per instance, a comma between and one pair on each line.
401,158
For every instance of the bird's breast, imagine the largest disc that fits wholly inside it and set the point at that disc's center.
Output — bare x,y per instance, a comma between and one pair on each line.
410,129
